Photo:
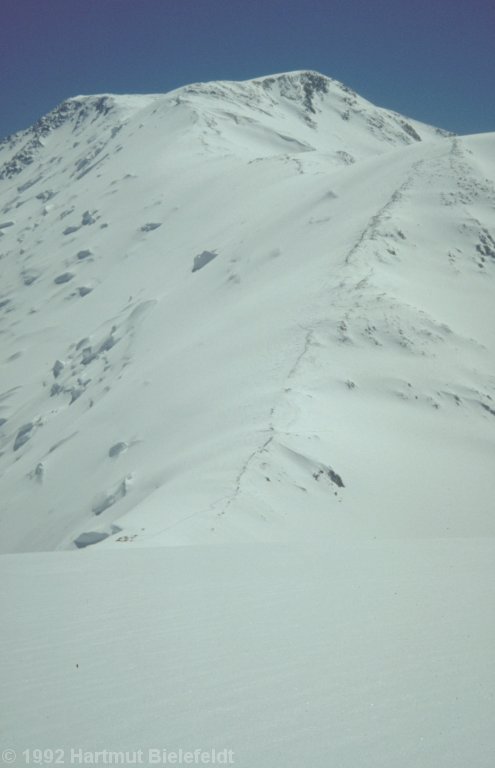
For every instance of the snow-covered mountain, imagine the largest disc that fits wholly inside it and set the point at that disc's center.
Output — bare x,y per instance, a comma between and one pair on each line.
259,315
244,311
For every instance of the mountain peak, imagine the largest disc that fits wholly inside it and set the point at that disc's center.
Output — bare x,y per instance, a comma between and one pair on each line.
216,303
305,84
298,85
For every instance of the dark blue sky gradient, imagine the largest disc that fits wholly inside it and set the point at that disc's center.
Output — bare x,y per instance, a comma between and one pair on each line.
429,59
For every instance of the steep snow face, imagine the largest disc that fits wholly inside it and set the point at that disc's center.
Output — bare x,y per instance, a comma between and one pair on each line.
240,311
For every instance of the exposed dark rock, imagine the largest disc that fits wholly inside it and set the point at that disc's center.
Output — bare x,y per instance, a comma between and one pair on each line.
65,277
410,131
150,226
58,367
117,449
335,478
202,259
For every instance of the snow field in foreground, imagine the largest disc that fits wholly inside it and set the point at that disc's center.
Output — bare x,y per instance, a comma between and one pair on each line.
367,653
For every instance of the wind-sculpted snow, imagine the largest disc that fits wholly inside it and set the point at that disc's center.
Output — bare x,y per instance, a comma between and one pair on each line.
373,654
244,311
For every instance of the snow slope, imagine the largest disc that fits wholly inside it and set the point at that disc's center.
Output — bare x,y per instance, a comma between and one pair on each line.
256,319
341,323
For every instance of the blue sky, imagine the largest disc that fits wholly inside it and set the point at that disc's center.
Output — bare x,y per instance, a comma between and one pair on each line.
429,59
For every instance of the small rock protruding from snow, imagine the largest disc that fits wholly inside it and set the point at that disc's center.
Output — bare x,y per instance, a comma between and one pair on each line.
117,449
106,500
46,195
150,226
58,367
87,219
65,277
39,472
335,478
88,355
202,259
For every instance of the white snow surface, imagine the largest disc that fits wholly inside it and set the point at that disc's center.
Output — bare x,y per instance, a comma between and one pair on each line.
343,321
363,654
256,319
